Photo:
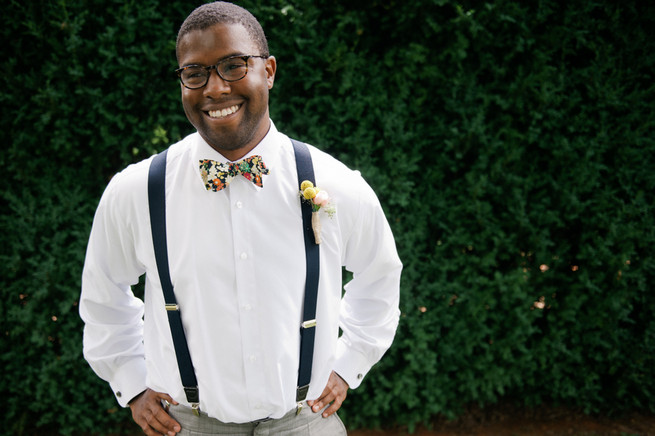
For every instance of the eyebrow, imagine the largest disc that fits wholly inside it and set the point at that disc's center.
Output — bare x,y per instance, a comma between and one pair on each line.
235,55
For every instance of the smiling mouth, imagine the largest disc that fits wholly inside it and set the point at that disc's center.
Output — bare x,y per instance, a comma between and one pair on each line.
222,113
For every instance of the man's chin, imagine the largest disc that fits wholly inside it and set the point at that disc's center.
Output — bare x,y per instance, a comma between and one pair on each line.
232,147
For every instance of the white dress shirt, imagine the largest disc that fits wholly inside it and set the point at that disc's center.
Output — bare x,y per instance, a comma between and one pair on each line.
237,264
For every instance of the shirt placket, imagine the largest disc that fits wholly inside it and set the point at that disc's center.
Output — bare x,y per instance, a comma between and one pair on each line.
241,207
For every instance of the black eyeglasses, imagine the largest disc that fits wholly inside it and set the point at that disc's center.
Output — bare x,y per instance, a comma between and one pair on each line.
229,69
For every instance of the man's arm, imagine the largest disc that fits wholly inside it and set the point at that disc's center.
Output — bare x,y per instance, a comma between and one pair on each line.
113,316
369,312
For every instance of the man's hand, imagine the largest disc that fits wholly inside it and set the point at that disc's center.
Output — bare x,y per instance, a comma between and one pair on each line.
148,412
335,392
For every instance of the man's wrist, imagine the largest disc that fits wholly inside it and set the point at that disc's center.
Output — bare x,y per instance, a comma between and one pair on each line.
344,380
129,403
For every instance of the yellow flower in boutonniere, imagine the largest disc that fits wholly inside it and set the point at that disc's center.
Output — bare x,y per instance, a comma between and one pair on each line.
319,199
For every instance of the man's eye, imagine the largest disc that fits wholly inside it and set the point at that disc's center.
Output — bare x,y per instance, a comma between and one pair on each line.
235,65
194,73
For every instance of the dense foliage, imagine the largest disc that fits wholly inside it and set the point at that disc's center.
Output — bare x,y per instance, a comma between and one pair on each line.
511,143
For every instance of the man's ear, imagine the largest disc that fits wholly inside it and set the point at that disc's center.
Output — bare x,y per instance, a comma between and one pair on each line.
271,67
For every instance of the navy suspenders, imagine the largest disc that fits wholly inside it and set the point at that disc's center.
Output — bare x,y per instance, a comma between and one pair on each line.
157,207
308,327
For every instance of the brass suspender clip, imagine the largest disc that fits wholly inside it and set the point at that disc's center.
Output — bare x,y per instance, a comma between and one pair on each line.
301,395
193,397
172,307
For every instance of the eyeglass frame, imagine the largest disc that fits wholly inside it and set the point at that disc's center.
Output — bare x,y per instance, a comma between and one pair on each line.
215,67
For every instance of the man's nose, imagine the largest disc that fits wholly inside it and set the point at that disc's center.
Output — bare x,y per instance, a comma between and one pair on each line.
216,85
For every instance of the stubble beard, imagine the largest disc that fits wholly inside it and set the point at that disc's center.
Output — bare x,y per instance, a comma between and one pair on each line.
224,140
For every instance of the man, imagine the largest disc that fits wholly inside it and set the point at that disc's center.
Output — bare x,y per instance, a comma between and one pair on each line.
237,260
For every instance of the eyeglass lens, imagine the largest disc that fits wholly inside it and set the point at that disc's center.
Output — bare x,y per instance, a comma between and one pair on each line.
231,70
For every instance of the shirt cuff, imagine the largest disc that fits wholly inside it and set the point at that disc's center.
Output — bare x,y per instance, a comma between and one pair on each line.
129,381
351,365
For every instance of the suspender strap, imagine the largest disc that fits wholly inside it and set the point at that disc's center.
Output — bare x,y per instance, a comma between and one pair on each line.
308,327
157,206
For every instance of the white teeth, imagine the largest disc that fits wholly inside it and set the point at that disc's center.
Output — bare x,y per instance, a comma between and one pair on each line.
224,112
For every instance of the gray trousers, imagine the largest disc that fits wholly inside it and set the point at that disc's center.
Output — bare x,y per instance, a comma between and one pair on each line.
307,423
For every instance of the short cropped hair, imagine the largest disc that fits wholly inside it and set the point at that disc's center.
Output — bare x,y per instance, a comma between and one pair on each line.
214,13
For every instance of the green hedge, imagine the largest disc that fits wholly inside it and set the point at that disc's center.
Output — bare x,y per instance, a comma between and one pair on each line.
512,148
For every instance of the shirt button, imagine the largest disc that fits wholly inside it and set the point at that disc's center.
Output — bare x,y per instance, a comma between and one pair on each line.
253,357
244,256
239,204
247,307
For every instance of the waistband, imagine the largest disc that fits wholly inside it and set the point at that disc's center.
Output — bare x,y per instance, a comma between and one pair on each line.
191,416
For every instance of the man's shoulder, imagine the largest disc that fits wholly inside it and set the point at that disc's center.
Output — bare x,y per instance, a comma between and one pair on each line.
339,179
334,176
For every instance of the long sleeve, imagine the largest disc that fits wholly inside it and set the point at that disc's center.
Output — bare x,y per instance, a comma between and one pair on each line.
113,316
369,311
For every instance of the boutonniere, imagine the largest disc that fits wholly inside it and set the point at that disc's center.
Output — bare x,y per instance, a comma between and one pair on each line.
320,200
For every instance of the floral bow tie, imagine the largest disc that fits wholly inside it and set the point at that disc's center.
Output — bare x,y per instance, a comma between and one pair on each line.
217,175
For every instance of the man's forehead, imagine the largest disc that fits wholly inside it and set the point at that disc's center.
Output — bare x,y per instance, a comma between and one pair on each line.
219,40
